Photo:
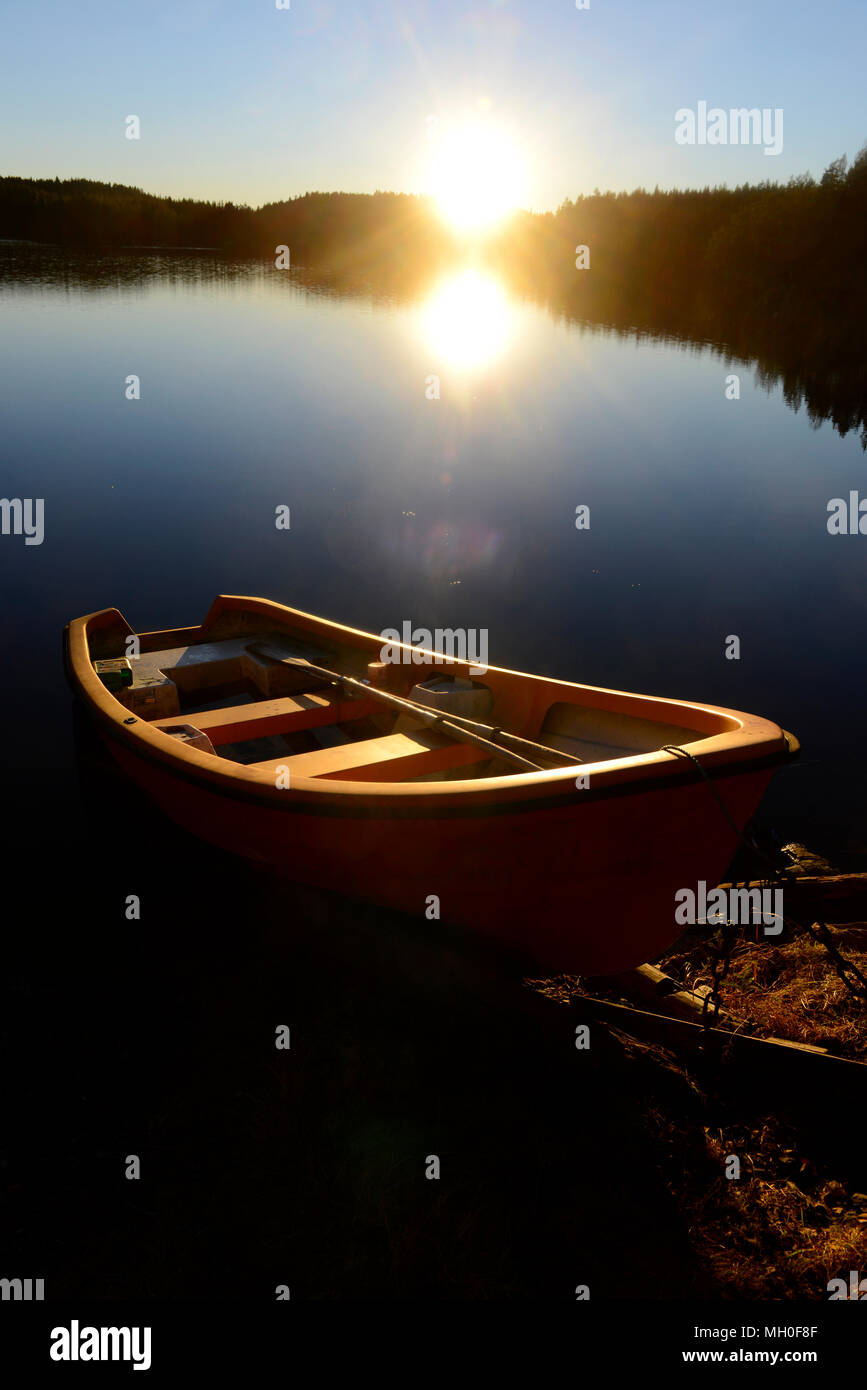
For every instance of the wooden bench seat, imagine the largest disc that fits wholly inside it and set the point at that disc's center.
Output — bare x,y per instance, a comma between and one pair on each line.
261,718
392,758
165,676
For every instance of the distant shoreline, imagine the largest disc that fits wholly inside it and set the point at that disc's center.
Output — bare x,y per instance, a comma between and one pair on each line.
143,246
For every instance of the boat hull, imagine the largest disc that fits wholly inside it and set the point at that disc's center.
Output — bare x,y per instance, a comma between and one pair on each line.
587,888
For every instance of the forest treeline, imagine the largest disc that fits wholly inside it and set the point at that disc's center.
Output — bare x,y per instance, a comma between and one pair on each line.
772,272
771,246
337,228
678,250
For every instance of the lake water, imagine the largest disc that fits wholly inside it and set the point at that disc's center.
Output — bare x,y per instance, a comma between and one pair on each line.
261,388
155,1035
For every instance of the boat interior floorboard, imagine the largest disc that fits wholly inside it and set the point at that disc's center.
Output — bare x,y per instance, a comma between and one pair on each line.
264,749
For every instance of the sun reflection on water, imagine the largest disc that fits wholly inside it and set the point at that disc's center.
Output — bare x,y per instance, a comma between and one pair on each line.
467,321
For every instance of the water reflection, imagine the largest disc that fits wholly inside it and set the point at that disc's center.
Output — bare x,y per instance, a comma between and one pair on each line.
468,318
467,322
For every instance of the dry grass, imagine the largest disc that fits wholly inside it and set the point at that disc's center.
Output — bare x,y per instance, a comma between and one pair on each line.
784,1229
795,1218
781,1230
786,988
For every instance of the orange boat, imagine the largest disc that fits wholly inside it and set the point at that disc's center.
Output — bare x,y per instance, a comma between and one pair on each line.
558,818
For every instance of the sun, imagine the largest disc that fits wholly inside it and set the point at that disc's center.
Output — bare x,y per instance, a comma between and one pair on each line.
475,175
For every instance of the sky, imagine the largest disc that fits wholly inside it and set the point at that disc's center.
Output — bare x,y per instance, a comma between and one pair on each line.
239,100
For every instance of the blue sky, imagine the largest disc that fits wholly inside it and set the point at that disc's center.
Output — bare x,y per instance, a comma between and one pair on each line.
239,100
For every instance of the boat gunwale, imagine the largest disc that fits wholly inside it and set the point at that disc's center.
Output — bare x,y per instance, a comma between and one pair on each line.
751,745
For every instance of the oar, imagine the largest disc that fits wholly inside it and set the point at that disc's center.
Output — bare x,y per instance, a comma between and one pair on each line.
467,730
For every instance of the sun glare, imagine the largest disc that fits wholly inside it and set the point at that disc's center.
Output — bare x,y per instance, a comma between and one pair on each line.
475,176
467,321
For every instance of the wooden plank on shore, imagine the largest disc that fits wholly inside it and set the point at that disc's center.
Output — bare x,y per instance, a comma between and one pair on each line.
832,898
797,1062
648,985
827,886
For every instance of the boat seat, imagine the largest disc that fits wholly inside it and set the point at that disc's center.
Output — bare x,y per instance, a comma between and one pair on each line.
162,678
392,758
262,718
191,662
598,735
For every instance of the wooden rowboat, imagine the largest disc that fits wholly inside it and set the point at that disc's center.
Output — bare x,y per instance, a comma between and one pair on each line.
281,737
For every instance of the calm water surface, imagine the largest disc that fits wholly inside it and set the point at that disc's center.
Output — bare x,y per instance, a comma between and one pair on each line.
261,388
